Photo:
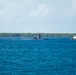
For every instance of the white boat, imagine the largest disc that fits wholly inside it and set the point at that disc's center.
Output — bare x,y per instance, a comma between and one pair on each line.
74,37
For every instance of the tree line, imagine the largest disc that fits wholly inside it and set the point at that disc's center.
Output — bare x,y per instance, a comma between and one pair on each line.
34,34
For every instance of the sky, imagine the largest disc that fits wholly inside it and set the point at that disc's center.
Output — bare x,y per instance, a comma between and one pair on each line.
37,16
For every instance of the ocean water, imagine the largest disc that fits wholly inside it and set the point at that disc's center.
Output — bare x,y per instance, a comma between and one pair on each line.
56,56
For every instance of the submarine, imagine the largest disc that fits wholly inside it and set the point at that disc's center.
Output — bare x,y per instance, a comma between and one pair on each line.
38,37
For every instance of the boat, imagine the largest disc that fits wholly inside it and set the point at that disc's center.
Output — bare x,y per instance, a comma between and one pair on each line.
74,37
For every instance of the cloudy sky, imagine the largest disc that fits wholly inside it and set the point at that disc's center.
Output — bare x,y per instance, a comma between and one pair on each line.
46,16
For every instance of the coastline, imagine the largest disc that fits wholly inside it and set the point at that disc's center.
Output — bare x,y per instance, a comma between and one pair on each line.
34,34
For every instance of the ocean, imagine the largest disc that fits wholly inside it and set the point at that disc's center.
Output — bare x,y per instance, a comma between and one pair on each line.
20,56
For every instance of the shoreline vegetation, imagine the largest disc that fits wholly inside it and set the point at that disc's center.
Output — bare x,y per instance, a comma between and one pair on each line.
34,34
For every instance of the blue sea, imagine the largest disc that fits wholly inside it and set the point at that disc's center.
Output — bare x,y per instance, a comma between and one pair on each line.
22,56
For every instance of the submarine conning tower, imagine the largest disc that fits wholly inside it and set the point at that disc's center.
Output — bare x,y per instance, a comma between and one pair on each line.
38,36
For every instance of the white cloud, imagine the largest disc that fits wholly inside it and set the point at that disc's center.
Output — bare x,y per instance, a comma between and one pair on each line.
41,11
71,10
4,1
74,5
13,10
68,12
8,12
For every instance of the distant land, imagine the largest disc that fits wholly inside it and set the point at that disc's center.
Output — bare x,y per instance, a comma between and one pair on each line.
34,34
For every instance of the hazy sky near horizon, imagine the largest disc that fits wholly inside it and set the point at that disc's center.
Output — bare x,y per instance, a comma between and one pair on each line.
45,16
